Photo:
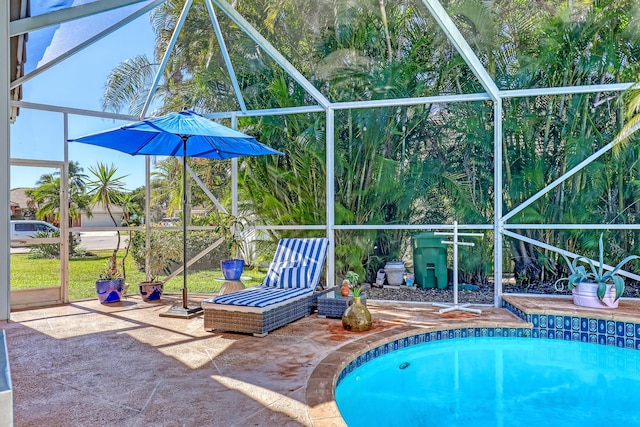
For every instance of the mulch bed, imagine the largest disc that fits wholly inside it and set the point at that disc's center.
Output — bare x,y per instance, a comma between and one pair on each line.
483,295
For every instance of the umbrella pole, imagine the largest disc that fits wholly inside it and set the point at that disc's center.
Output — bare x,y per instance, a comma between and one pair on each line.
185,301
186,311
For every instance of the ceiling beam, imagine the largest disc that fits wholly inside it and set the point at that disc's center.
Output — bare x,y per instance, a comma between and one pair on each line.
457,39
135,15
264,44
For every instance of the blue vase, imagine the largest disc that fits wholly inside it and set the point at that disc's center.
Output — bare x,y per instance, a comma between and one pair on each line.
232,268
109,290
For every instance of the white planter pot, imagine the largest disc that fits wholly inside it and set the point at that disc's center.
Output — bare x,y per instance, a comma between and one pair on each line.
586,295
395,272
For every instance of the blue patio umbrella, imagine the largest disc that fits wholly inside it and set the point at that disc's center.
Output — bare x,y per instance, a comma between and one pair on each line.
185,134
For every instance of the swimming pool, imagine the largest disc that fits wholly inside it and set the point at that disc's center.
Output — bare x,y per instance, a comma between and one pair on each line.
494,382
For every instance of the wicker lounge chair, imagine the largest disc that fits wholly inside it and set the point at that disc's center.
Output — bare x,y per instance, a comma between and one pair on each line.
288,292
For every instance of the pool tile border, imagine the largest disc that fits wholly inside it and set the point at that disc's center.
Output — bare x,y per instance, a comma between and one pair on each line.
584,328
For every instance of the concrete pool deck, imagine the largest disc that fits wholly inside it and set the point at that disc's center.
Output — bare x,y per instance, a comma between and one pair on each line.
87,364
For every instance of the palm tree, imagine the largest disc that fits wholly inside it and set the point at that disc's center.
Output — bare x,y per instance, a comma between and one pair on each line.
47,195
106,189
166,184
548,135
632,115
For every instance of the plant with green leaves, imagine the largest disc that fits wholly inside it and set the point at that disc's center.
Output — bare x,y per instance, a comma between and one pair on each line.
46,250
161,254
230,228
579,273
352,277
111,271
107,189
45,198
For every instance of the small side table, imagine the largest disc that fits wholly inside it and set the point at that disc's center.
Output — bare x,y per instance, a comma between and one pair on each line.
230,286
333,304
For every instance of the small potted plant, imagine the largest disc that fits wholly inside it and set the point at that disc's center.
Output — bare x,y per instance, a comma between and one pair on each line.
160,258
152,288
350,280
356,317
230,227
596,288
110,285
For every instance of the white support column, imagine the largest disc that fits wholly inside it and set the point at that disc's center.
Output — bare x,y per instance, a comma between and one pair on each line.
497,203
330,177
225,55
5,163
64,215
453,34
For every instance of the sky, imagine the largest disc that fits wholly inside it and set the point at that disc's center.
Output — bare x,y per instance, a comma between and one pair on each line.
76,82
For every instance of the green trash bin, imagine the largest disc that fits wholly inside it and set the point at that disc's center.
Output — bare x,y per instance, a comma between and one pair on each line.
430,260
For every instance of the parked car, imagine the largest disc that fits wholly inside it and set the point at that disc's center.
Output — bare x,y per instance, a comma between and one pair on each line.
28,228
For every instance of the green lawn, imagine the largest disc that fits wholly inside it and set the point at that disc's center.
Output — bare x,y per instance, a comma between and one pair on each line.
37,273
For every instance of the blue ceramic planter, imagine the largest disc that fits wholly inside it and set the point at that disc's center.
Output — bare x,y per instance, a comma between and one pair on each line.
109,290
150,291
232,268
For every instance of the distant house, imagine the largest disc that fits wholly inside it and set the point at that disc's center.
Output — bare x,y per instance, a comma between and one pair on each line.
100,217
19,204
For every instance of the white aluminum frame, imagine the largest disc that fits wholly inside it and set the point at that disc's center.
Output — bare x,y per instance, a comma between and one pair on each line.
31,24
493,94
5,163
59,293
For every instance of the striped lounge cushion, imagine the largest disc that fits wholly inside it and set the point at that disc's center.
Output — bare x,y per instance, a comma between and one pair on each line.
294,277
275,269
261,296
309,253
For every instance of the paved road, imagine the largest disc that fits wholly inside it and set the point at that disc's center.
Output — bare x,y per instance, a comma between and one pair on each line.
92,241
98,240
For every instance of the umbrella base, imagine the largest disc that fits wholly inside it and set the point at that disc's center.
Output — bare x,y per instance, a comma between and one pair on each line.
183,312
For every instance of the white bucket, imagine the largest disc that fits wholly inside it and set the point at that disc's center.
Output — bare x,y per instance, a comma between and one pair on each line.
395,272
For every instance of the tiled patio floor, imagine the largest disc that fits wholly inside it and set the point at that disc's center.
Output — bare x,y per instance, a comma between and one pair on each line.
88,364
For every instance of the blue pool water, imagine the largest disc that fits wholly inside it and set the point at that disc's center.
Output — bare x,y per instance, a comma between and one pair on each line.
508,382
